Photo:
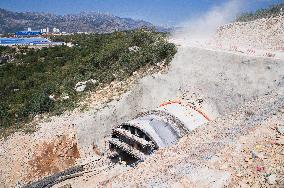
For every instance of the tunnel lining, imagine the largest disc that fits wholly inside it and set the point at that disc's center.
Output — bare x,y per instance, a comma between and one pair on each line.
154,129
169,118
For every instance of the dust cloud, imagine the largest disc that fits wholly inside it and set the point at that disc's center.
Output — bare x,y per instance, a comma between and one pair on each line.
201,28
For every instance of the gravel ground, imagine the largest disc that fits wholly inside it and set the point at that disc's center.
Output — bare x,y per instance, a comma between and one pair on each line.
27,157
241,149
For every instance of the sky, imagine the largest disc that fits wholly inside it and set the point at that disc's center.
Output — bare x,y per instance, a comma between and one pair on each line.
159,12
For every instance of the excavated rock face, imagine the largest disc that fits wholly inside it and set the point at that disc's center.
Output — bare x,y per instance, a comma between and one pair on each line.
138,138
264,34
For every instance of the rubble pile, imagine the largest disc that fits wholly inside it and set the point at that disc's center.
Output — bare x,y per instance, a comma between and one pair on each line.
258,160
248,37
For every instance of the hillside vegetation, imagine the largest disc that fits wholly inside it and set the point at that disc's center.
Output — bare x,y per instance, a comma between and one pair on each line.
36,81
262,13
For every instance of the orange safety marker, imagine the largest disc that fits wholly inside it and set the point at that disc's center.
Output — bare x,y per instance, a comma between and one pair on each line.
199,111
170,102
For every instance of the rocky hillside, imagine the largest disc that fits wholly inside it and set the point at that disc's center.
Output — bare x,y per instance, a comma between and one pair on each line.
258,33
274,10
264,34
83,22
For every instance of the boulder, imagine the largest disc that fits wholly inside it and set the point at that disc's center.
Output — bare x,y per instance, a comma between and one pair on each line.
81,86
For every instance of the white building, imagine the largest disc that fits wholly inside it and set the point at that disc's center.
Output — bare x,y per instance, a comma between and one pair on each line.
43,30
55,30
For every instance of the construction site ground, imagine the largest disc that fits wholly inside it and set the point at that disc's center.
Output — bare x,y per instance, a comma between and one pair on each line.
241,149
243,145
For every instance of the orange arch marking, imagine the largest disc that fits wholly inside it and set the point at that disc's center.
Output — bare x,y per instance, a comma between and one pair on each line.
188,105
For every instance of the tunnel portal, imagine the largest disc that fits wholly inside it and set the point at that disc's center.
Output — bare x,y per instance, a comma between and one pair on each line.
138,138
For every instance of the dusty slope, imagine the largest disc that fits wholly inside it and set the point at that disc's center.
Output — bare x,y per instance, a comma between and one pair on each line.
242,148
225,80
261,37
261,34
228,82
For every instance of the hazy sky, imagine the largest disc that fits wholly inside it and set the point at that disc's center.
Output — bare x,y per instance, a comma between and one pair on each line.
161,12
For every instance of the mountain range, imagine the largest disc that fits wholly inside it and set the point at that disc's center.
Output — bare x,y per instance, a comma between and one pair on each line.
83,22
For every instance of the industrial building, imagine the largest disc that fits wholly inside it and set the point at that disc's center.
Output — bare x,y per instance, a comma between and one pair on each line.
28,33
27,41
44,30
33,33
29,38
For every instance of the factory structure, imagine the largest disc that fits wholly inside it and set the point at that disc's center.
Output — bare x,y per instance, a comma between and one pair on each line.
44,32
32,41
31,37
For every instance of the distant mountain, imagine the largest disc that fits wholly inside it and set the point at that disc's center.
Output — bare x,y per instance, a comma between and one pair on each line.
83,22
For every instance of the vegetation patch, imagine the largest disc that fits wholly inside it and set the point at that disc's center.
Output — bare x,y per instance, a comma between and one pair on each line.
52,80
273,10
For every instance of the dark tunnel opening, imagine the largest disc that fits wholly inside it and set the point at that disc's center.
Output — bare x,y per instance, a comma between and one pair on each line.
140,137
130,144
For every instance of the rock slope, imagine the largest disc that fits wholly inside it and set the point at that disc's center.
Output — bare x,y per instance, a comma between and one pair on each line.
248,37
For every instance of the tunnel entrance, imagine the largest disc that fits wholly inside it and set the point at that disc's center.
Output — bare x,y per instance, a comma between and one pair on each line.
130,144
122,156
135,140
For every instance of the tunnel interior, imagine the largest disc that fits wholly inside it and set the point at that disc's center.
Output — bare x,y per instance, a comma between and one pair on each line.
122,156
138,144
